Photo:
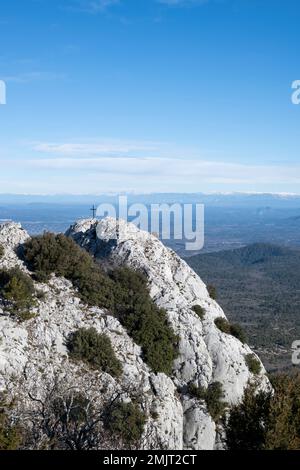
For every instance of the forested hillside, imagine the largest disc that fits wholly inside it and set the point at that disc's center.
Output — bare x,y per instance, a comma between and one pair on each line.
259,287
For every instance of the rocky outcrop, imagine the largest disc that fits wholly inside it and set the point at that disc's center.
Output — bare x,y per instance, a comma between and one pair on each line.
206,354
33,353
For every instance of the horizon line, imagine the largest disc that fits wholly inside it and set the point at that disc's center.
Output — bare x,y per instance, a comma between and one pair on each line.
137,193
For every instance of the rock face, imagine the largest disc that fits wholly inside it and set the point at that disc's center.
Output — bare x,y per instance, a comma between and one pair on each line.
34,354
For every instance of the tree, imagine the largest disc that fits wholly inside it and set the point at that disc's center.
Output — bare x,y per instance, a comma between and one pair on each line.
267,420
88,345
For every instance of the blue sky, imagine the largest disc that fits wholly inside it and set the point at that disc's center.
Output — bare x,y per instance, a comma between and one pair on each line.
149,96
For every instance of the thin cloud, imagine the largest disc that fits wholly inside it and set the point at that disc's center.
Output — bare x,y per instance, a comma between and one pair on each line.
93,6
195,171
182,2
33,77
143,174
97,148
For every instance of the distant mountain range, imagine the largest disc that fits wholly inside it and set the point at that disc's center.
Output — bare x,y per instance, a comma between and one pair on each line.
232,220
259,287
237,199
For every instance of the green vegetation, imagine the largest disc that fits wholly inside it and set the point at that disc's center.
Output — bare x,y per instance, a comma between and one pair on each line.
265,420
253,364
246,427
214,400
17,289
1,251
197,392
223,325
258,287
125,421
230,329
49,253
95,349
199,311
212,291
145,322
213,397
237,331
10,434
124,292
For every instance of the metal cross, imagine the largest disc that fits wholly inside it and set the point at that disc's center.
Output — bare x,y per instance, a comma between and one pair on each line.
94,210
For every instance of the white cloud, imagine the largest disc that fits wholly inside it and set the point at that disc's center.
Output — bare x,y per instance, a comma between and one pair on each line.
102,165
93,6
142,174
182,2
99,148
33,77
176,170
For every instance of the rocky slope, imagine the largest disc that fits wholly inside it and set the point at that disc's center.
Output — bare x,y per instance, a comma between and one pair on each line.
33,354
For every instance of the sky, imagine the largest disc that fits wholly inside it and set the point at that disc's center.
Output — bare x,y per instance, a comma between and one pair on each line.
149,96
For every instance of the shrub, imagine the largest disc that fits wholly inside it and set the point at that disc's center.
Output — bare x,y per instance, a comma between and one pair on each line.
267,420
59,254
214,400
145,322
126,421
10,434
253,364
213,397
1,251
95,349
223,325
248,421
212,291
237,331
197,392
231,329
283,426
124,292
51,253
18,290
199,311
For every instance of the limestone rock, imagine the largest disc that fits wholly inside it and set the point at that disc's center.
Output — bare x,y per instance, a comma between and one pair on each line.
33,353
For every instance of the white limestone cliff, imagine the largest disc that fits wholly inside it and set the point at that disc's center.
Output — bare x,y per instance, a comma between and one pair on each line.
33,353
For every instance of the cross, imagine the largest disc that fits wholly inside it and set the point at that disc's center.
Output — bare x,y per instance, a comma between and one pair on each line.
94,210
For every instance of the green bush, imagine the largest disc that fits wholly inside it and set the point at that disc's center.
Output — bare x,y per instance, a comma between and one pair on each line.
10,434
223,325
145,322
213,397
124,292
267,420
237,331
212,292
95,349
125,421
231,329
60,255
214,400
17,289
1,251
247,425
197,392
253,364
199,311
